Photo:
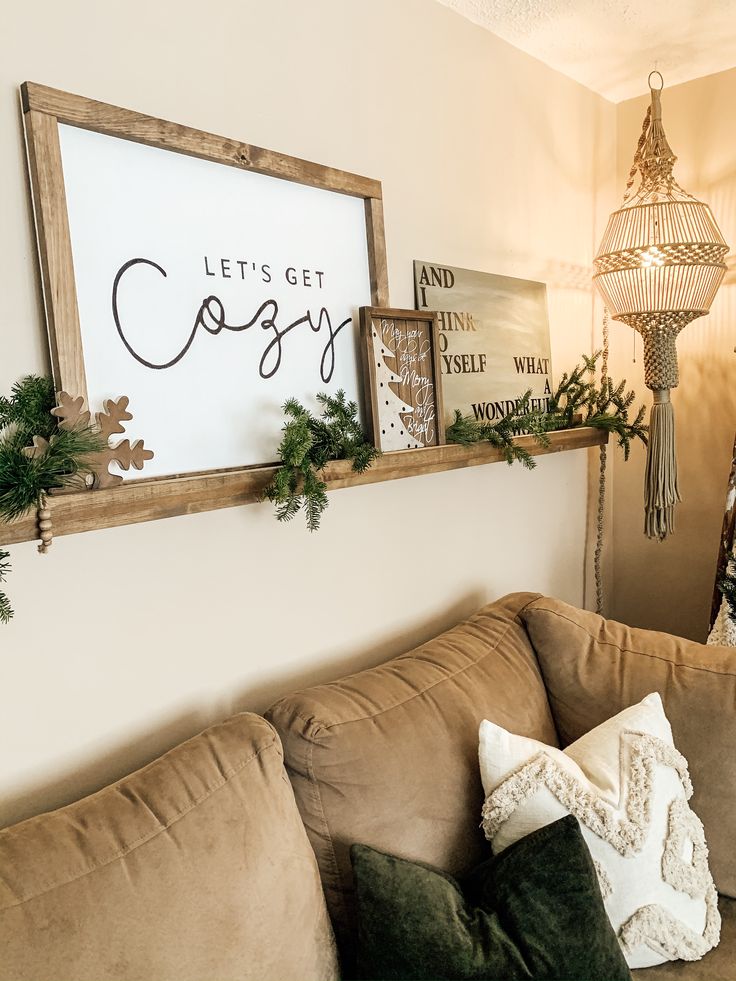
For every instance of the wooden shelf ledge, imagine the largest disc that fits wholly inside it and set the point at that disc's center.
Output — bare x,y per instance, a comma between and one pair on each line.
148,500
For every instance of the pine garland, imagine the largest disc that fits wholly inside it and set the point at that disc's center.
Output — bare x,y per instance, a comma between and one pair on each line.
307,444
6,611
22,479
29,408
577,401
60,462
466,430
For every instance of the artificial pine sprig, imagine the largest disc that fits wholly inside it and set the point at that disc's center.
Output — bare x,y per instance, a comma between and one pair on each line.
307,444
574,393
29,408
521,419
24,478
577,401
6,610
58,459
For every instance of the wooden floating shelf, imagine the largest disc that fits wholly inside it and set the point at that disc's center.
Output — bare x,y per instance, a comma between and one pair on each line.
148,500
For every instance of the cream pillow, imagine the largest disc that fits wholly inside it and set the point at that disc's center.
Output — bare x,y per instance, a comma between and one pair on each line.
628,787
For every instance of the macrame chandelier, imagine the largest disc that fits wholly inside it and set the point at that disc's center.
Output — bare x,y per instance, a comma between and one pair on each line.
658,268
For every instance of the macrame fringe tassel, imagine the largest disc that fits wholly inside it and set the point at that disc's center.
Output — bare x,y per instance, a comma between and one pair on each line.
661,491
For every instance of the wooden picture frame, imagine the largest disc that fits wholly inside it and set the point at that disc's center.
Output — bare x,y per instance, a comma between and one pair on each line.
45,110
402,378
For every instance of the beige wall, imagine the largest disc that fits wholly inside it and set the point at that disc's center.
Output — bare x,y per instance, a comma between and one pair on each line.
128,640
668,586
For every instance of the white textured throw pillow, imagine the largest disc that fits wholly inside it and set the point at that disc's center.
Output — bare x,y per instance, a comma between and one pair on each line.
628,787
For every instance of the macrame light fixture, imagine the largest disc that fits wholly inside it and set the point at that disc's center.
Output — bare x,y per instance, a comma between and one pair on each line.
659,267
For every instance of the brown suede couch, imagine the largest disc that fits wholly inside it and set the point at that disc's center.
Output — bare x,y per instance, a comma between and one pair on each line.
227,859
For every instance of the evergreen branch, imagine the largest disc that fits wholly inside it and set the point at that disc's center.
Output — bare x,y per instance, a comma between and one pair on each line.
6,611
577,401
29,408
315,499
463,430
308,443
520,420
24,478
60,458
289,508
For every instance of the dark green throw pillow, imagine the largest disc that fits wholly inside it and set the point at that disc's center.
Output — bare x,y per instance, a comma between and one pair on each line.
534,911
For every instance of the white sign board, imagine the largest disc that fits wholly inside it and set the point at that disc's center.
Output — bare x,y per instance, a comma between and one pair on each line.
209,295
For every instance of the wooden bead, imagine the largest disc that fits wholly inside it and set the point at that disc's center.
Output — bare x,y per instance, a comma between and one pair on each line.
45,525
44,514
46,537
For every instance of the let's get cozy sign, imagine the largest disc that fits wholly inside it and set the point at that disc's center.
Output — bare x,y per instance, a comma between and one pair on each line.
209,295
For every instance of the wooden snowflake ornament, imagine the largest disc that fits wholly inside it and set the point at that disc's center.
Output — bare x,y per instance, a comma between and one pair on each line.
125,454
40,446
70,413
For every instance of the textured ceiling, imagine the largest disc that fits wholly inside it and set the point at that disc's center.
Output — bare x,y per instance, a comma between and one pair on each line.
612,45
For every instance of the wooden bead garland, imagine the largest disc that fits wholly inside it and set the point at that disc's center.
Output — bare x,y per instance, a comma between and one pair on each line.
44,525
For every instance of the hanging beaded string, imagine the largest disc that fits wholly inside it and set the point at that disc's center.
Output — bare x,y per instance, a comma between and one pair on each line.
600,516
44,524
601,512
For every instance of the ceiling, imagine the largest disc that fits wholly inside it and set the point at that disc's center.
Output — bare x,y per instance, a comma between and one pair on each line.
612,45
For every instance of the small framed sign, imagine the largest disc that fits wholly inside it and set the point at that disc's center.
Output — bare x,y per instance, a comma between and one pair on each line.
401,372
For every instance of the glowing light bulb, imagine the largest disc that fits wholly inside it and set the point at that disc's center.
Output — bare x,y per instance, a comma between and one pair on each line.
652,257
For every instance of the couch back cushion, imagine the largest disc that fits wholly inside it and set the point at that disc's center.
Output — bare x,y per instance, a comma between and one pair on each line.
593,668
196,867
389,757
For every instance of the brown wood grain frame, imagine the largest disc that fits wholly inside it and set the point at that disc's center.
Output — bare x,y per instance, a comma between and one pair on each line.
367,316
44,108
